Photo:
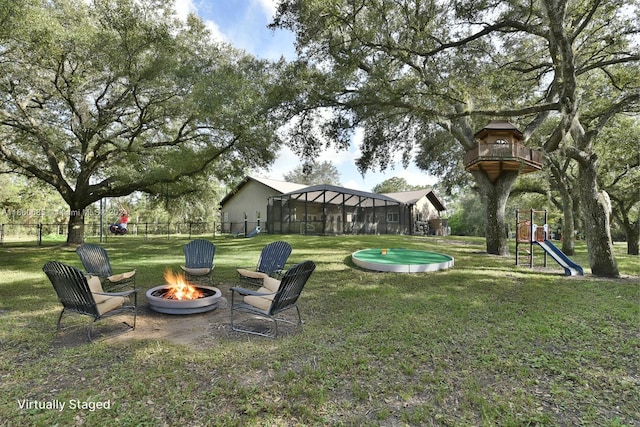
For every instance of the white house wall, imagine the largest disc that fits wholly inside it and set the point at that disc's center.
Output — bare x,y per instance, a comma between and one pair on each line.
251,199
425,210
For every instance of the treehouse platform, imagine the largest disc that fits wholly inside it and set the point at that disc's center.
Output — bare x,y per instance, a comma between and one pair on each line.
499,148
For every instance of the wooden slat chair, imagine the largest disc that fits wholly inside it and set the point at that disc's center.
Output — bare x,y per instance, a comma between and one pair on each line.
198,256
96,262
84,295
272,260
268,303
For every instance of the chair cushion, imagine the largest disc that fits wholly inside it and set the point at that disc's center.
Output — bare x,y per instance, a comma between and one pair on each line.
104,303
261,302
122,276
109,304
252,274
197,271
96,286
271,283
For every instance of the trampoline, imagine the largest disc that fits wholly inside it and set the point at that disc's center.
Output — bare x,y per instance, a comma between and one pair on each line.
399,260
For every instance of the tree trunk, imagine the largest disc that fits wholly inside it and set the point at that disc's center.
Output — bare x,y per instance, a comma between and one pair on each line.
562,184
75,230
595,213
495,195
568,229
568,221
632,231
623,215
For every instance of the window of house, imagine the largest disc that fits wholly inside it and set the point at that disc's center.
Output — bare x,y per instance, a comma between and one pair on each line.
393,217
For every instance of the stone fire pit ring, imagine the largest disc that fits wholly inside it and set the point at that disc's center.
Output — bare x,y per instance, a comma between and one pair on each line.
157,302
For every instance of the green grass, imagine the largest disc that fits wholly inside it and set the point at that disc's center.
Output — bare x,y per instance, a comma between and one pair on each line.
484,343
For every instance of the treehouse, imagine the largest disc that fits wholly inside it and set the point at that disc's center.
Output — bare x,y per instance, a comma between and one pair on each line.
499,148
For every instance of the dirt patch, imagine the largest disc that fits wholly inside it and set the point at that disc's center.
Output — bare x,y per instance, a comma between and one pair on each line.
179,329
197,330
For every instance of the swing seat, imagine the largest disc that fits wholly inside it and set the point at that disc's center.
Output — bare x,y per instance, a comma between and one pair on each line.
116,229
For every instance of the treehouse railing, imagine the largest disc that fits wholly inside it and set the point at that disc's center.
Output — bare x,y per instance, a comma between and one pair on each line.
512,150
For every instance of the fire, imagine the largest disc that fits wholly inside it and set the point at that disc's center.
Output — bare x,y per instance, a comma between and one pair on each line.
179,288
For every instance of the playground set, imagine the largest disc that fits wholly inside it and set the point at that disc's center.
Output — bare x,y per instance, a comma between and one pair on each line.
529,233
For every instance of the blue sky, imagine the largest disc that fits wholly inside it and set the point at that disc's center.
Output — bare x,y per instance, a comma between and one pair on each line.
243,23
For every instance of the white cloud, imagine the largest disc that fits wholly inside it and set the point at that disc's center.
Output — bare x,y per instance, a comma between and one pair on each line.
269,7
286,161
215,31
185,7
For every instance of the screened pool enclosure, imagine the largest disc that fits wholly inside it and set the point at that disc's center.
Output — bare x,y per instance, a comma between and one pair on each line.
329,209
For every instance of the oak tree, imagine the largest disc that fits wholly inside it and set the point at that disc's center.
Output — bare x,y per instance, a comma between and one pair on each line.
104,98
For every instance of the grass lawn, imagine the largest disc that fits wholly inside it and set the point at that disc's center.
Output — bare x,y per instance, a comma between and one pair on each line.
484,343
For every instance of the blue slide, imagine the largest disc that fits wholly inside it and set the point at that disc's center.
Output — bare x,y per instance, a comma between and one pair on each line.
570,267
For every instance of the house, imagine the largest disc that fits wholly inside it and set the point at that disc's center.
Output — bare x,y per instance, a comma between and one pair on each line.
248,202
282,208
426,210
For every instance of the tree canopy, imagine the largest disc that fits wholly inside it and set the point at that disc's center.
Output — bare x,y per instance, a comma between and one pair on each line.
314,172
104,98
406,70
394,185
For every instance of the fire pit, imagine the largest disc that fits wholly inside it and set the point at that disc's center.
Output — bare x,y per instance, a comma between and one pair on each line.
181,297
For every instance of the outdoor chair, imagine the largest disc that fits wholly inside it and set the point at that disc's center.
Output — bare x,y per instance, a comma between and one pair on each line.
84,295
269,303
198,255
96,262
272,260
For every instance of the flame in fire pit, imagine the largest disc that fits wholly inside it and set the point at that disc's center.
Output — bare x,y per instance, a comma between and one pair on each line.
179,288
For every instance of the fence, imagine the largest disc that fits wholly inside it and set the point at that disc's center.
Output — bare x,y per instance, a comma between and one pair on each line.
55,233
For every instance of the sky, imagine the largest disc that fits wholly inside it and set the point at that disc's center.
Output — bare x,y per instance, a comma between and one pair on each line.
243,24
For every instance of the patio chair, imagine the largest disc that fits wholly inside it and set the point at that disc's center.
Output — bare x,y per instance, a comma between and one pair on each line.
84,295
198,256
267,303
272,260
96,262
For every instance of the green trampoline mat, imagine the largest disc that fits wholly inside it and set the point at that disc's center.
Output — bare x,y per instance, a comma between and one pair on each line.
401,256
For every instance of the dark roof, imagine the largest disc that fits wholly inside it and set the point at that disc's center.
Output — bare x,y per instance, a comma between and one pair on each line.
409,197
332,194
412,197
497,125
329,193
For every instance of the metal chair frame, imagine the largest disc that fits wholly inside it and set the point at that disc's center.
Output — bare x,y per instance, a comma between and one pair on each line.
73,292
96,262
273,258
284,299
199,253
